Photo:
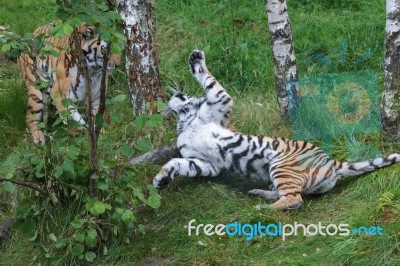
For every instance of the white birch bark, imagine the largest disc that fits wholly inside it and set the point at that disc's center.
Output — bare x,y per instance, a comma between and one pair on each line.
284,57
141,60
390,110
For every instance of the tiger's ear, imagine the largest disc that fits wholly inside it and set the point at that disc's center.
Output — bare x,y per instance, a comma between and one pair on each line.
88,34
86,31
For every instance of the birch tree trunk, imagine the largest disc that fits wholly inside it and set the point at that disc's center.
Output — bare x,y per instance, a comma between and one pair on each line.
284,58
391,96
141,60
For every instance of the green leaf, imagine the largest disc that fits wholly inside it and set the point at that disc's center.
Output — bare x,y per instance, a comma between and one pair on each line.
148,106
91,238
76,22
57,31
103,186
25,226
68,165
126,150
77,223
68,29
160,106
155,120
23,213
92,234
58,171
98,208
73,152
116,48
14,160
144,145
141,120
61,243
56,260
110,163
90,256
154,201
142,228
80,237
105,34
41,125
66,102
119,98
6,47
137,193
39,174
128,216
8,186
109,102
107,141
78,250
52,237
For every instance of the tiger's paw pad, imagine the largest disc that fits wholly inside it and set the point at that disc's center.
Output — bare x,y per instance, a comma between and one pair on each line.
161,182
197,62
38,138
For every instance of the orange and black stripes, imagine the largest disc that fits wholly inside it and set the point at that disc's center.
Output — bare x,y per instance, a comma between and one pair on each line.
62,74
289,168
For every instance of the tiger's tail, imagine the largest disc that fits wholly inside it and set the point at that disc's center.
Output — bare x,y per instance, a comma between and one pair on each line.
359,168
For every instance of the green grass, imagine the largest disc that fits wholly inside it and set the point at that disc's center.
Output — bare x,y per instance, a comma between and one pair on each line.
234,35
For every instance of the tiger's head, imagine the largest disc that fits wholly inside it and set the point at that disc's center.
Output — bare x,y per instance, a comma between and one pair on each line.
94,49
177,101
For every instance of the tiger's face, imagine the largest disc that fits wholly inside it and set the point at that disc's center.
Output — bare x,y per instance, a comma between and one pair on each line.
177,101
94,50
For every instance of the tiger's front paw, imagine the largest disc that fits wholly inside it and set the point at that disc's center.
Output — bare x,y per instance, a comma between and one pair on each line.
197,62
38,137
161,180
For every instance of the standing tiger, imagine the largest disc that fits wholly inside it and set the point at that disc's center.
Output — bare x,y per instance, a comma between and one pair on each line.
289,167
64,76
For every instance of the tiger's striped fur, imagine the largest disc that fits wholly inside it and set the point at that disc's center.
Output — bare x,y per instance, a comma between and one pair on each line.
289,167
62,73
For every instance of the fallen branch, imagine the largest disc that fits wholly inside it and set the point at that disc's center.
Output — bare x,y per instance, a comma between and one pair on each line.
5,230
32,185
158,156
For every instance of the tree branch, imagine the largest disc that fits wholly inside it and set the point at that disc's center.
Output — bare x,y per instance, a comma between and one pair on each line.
158,156
32,185
92,137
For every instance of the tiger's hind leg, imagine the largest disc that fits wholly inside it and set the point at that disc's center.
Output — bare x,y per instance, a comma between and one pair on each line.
288,202
289,189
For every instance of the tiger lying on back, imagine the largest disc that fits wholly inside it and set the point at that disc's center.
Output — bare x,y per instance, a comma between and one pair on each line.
289,167
64,76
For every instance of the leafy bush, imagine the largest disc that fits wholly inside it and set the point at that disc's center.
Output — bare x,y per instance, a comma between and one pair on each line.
85,197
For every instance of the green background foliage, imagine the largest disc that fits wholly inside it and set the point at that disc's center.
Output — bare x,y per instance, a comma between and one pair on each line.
234,35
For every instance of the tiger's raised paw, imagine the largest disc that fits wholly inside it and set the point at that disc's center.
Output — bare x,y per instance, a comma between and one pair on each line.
197,62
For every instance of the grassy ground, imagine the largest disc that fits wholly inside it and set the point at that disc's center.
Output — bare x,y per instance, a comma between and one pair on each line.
234,35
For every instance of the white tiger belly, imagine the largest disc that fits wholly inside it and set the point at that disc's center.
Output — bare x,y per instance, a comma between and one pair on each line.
202,142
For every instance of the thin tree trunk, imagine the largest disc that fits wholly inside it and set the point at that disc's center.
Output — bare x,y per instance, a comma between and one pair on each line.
286,86
391,96
93,160
141,60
